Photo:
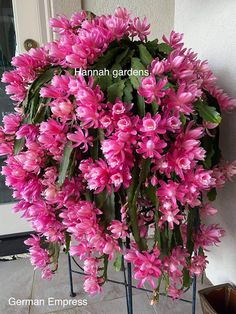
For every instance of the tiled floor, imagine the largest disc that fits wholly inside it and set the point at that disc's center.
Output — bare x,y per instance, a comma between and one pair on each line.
20,281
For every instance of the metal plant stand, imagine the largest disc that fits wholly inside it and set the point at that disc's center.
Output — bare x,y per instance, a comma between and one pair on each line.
127,283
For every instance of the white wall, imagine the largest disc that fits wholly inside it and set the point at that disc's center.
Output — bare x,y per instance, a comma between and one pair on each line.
160,13
210,29
11,222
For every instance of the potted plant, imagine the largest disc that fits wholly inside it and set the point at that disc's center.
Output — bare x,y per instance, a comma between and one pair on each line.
115,136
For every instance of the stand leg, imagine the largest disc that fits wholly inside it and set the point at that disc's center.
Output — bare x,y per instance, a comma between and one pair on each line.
130,293
194,295
125,284
72,293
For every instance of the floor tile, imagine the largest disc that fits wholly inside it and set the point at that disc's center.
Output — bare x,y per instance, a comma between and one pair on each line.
58,288
118,306
16,282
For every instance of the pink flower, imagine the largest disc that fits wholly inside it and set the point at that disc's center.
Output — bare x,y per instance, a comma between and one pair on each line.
29,131
60,24
151,147
182,100
91,266
39,256
174,293
175,60
118,229
175,40
11,123
225,101
175,263
122,13
30,161
92,285
171,217
208,210
230,170
117,26
96,174
79,250
208,235
157,67
152,125
170,191
62,108
152,90
198,265
47,273
140,28
81,139
6,149
203,178
77,18
52,137
147,266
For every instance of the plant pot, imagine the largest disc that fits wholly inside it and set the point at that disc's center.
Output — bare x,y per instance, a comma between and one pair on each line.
220,299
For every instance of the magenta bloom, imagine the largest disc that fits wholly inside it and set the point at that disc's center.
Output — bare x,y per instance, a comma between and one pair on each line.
151,147
147,267
153,90
118,229
140,28
81,139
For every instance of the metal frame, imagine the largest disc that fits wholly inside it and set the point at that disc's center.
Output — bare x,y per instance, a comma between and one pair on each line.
127,284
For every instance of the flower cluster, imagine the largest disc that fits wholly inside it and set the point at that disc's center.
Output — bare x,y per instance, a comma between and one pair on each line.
98,159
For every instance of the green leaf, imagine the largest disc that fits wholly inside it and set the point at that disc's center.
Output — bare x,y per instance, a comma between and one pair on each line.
103,81
95,148
106,203
67,240
128,96
145,169
90,15
122,56
155,107
35,87
207,113
192,225
54,251
145,55
127,58
183,118
151,195
32,104
169,236
43,109
118,262
65,163
18,145
152,47
187,281
164,48
136,64
105,267
208,145
212,194
178,235
138,177
116,90
140,105
115,71
157,233
106,60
